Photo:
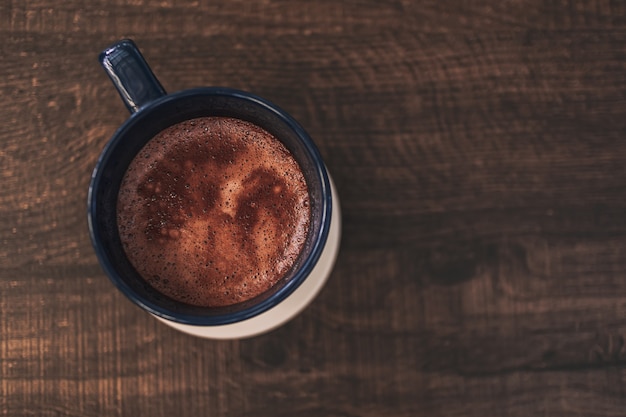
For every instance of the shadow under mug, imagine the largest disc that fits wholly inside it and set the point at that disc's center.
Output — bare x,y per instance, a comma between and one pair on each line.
152,110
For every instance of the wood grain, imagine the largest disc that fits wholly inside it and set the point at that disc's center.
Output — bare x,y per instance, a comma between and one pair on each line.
478,149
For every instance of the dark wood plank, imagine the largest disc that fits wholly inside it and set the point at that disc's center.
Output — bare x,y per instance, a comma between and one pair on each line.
169,19
478,148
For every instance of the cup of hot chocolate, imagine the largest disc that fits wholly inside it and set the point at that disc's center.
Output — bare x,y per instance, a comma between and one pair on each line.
210,208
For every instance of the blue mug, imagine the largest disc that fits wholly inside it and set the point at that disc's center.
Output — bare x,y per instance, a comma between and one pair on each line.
152,110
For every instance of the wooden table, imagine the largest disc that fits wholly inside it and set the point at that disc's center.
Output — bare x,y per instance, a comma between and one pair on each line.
479,150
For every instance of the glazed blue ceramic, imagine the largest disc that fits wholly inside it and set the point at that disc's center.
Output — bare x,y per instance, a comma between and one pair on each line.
152,110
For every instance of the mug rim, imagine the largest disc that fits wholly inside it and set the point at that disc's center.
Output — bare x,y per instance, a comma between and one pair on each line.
227,318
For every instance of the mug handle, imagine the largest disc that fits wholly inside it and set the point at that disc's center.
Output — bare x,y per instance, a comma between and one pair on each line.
131,75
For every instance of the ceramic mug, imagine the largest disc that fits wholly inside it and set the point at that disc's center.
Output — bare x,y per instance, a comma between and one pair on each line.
152,110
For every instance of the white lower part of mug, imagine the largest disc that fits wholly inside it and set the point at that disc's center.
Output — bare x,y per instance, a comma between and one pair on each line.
289,307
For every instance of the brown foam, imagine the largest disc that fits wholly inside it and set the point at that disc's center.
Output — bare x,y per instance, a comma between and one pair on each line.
213,211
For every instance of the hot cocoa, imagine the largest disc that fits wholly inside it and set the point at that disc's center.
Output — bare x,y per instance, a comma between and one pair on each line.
213,211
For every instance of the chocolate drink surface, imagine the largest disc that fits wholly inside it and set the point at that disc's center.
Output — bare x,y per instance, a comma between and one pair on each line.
213,211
